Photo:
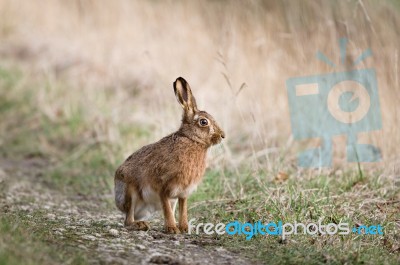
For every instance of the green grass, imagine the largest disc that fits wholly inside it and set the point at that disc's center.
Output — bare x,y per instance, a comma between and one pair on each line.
80,163
29,240
331,199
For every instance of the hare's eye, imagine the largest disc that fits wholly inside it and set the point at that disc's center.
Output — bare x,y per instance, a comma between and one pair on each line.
203,122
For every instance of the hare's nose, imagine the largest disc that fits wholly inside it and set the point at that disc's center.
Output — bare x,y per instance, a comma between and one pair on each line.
222,135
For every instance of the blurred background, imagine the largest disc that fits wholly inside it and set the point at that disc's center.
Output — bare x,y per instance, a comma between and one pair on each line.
96,76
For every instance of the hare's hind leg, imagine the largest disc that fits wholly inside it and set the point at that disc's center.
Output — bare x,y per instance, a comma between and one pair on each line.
130,214
130,223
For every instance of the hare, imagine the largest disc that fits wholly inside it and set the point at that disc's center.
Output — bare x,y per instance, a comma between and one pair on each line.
159,175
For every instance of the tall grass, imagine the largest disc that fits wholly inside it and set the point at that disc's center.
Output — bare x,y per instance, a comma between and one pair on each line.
118,59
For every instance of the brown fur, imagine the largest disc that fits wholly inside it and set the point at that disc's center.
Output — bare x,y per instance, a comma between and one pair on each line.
170,166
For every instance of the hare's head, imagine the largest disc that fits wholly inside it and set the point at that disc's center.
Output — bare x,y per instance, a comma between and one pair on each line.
197,125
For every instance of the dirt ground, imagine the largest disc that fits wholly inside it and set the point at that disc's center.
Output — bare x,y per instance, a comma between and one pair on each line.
91,225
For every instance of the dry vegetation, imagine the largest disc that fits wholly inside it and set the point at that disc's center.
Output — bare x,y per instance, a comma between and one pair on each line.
119,59
84,83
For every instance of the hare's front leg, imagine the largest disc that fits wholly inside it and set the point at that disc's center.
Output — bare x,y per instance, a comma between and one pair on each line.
183,217
170,225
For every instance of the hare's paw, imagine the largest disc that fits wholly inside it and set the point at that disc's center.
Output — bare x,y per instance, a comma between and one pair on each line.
172,230
184,228
138,226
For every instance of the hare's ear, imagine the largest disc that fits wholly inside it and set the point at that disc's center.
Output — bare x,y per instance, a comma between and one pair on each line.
185,97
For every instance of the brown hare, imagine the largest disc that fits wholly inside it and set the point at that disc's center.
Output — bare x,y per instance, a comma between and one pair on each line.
158,175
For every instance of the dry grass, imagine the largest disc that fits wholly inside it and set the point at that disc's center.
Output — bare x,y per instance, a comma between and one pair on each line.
119,59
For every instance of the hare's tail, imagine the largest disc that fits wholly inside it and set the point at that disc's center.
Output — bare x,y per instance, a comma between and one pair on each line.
120,195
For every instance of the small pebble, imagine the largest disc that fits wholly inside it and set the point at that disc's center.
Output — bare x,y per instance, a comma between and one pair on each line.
89,237
140,247
25,207
51,216
113,232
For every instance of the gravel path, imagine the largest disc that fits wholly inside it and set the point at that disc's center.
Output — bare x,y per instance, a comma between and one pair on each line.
91,224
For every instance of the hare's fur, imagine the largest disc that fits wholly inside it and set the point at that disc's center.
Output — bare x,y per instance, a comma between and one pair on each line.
159,175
